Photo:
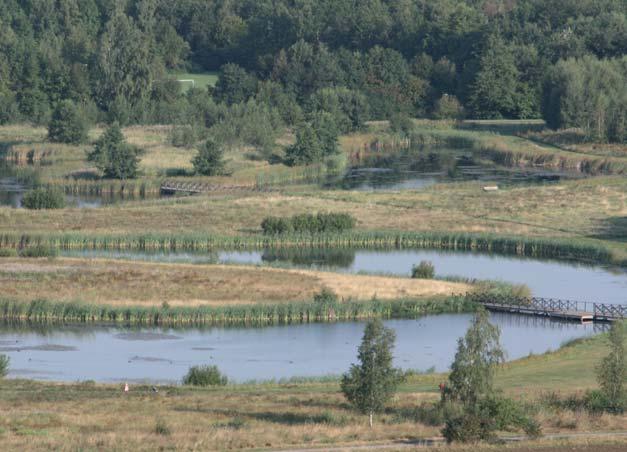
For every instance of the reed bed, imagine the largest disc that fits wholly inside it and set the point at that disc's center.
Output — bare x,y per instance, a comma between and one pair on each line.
45,311
140,187
510,151
551,248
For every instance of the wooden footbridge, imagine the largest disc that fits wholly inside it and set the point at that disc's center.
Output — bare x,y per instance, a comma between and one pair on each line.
172,187
579,311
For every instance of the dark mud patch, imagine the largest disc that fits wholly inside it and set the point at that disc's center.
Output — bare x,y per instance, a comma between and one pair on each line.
146,336
40,348
150,359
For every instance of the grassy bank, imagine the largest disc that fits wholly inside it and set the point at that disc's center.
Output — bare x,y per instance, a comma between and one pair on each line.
294,414
593,206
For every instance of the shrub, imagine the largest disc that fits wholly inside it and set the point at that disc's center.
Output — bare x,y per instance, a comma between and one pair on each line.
401,123
43,198
4,365
39,251
204,376
183,136
325,296
480,422
161,428
448,107
209,160
424,270
309,223
68,124
276,225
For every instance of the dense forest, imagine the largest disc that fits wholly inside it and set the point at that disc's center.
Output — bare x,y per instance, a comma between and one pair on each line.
334,62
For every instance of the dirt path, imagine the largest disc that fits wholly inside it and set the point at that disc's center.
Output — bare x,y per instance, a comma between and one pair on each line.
438,441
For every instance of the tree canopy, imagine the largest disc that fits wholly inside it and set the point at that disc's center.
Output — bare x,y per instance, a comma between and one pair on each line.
354,60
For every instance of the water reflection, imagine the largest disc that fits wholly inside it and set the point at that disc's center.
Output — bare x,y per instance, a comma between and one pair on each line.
116,354
413,169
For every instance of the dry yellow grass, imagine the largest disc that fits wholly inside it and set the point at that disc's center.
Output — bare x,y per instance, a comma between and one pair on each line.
142,283
580,208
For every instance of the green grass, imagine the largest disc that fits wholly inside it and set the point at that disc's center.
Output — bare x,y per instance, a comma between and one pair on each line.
201,80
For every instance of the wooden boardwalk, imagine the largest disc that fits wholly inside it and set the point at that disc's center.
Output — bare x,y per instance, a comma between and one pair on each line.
568,310
199,187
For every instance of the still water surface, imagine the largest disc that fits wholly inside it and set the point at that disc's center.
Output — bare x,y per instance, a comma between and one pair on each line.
110,354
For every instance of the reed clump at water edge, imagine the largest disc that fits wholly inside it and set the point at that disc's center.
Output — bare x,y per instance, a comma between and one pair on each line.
45,311
550,248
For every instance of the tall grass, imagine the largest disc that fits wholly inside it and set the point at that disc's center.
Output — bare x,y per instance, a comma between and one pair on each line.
553,248
44,311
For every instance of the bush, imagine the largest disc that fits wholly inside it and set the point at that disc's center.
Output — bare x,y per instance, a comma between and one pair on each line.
39,251
401,123
183,136
424,270
4,365
161,428
209,160
325,296
204,376
480,422
448,107
68,124
44,198
309,223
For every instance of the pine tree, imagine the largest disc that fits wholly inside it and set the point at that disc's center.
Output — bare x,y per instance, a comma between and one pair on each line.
114,156
209,160
67,124
372,383
307,149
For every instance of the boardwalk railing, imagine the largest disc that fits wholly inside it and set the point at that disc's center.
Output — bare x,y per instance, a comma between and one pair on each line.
556,307
199,187
610,311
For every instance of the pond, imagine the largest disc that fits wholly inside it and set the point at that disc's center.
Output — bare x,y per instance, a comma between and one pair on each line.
12,192
550,279
416,169
108,354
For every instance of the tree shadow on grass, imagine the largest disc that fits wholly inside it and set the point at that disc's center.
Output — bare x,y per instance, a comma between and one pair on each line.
614,228
276,417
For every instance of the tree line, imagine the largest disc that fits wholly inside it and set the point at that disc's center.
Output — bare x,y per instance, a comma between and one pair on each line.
289,60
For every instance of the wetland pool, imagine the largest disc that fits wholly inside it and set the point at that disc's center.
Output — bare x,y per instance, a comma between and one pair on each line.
112,354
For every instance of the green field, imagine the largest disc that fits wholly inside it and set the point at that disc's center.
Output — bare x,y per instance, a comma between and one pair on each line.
200,79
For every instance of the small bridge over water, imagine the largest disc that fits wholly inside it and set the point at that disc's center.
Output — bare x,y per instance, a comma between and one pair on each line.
170,186
580,311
